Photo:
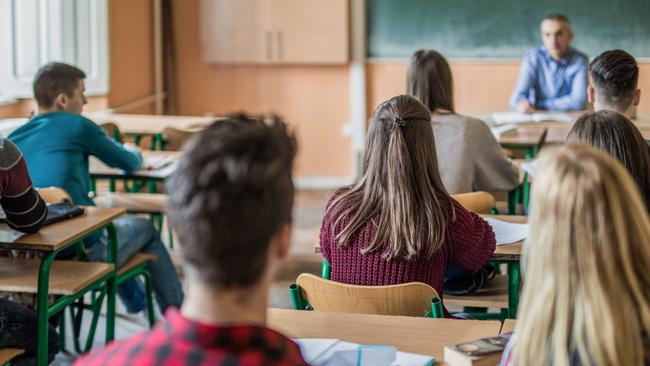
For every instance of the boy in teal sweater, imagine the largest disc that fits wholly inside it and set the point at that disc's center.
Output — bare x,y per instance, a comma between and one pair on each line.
56,144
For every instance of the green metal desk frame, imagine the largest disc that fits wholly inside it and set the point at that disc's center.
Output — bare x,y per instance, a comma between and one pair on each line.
45,311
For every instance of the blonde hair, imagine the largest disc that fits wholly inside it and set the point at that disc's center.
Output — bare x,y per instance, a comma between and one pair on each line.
400,183
587,264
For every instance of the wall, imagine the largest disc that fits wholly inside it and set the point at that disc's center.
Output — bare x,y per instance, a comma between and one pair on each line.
480,87
313,99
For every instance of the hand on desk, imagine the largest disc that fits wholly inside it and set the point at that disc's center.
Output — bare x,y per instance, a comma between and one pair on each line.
525,107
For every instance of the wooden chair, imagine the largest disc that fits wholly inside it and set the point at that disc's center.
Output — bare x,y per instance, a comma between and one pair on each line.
8,354
311,292
174,138
477,202
112,130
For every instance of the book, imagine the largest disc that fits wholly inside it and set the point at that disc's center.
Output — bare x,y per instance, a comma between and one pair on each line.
501,118
479,352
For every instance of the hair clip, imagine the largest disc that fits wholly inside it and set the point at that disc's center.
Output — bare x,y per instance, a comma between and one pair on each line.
399,121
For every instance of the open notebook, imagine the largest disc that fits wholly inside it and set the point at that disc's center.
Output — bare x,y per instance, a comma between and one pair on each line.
334,352
502,118
507,232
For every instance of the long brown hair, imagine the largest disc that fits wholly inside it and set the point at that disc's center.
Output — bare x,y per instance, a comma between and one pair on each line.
616,135
400,183
586,258
429,79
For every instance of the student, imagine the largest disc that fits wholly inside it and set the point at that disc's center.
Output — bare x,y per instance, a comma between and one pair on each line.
469,157
57,143
25,211
398,223
554,76
587,266
615,76
616,135
230,203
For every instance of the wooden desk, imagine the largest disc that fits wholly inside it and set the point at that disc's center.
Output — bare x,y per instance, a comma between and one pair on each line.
99,170
151,124
527,136
409,334
508,326
52,239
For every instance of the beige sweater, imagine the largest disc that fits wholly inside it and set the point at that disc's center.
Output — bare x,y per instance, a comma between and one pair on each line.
469,157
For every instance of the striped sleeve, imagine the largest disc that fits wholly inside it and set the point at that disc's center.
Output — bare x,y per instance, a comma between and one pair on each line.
24,208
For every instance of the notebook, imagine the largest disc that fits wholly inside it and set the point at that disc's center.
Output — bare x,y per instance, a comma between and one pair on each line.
502,118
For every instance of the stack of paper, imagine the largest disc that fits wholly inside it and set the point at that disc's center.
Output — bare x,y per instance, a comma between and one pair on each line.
507,232
502,118
333,352
498,131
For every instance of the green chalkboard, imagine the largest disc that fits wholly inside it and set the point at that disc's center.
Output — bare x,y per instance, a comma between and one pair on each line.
502,28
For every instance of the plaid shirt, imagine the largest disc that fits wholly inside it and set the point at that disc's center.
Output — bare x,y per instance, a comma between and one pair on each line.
180,341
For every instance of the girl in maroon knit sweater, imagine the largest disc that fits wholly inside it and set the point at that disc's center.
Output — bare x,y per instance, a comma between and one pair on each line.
398,224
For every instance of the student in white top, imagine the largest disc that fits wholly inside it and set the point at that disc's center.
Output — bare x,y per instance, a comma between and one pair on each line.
469,157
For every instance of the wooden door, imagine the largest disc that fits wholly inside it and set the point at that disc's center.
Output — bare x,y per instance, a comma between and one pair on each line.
310,31
235,31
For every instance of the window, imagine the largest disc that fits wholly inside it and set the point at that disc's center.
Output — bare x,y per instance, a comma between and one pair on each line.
34,32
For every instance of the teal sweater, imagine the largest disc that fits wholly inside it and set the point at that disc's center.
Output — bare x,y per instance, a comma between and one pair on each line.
56,147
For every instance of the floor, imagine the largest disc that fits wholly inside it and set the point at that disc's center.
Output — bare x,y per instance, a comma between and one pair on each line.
308,214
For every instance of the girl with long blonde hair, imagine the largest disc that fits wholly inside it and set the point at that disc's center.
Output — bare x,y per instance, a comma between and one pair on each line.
586,295
398,223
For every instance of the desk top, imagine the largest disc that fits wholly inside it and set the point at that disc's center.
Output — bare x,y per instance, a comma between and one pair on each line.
100,170
508,326
526,135
57,236
409,334
150,124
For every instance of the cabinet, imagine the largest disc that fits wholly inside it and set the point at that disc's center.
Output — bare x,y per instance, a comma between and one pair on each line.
275,31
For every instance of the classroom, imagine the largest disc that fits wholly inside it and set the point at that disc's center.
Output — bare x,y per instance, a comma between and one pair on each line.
324,182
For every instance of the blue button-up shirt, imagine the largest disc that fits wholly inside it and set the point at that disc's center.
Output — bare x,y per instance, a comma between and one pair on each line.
552,85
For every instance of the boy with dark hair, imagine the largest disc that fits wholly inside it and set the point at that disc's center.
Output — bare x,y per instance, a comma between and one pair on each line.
230,202
554,76
57,143
615,76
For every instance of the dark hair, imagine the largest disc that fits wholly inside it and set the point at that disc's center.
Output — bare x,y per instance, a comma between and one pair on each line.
53,79
615,76
429,79
616,135
231,193
400,182
557,16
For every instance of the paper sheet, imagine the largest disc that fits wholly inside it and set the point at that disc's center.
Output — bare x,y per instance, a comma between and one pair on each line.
326,352
8,235
498,131
506,232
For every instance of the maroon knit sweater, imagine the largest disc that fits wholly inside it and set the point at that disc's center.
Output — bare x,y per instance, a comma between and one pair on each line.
468,245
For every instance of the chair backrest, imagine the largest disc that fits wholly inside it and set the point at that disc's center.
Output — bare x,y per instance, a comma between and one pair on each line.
112,131
409,299
53,195
477,202
175,138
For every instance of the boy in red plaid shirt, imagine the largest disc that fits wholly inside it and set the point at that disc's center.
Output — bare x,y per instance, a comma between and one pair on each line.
230,203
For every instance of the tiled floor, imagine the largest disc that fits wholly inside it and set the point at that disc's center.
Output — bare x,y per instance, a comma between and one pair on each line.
308,213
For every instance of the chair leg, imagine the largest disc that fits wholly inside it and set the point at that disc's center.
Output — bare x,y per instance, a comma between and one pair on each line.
62,332
149,292
96,308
